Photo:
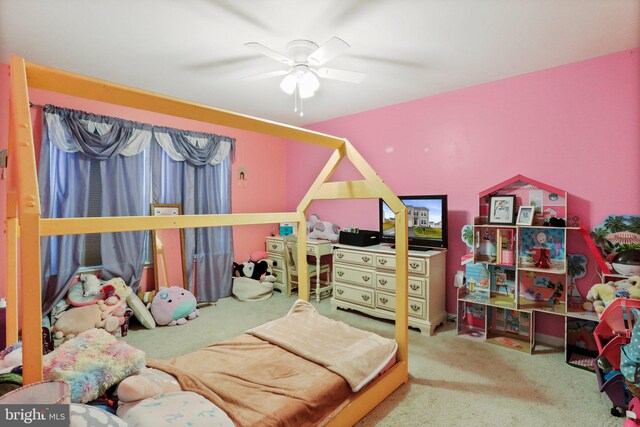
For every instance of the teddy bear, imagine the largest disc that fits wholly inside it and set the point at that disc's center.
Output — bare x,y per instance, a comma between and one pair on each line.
325,230
261,270
601,295
174,306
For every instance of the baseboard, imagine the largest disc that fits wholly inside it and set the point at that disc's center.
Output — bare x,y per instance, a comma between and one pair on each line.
549,340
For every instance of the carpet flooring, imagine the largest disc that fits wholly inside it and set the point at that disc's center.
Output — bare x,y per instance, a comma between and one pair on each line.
453,381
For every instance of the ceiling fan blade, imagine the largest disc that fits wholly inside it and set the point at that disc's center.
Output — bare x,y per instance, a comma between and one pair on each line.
265,75
342,75
260,48
334,47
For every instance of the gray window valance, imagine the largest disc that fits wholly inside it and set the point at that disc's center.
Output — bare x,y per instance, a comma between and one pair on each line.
103,137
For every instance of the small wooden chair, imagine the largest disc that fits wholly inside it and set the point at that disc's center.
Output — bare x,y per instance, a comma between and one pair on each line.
291,261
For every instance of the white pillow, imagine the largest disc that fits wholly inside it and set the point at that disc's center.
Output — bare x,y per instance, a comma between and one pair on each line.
183,408
81,415
141,311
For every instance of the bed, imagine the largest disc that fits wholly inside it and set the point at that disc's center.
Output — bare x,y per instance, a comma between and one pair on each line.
23,213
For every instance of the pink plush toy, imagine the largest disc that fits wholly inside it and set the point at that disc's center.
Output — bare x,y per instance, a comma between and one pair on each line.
258,255
174,306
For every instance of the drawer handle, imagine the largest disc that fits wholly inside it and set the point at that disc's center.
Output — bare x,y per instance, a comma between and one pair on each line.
339,291
365,278
365,297
274,246
414,265
310,250
384,300
415,307
382,281
340,273
366,259
382,261
339,255
414,286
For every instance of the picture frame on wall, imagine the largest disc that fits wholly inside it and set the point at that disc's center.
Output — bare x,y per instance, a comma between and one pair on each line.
525,215
502,209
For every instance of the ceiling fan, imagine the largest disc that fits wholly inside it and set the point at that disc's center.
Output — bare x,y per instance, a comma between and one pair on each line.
303,57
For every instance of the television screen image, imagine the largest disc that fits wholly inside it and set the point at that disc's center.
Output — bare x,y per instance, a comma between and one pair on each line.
426,221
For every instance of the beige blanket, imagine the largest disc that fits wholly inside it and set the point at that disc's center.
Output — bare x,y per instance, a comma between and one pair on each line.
357,356
260,384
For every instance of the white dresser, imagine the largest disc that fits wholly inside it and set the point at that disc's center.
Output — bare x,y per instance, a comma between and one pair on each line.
364,280
315,248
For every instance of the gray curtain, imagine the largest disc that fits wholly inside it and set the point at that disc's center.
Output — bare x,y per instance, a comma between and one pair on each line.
125,192
61,255
201,188
198,168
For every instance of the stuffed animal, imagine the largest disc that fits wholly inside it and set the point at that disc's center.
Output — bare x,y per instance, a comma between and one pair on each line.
148,382
258,255
90,284
325,230
630,285
11,357
601,295
243,270
147,297
174,306
263,271
107,314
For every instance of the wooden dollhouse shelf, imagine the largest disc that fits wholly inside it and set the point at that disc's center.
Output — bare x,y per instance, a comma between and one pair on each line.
503,272
544,270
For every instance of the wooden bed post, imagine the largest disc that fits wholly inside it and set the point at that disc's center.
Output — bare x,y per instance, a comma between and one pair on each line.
29,215
12,245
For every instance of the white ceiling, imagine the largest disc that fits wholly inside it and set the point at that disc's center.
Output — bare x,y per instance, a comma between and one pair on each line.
194,49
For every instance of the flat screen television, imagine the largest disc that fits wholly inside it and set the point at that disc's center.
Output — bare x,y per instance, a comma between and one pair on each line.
427,221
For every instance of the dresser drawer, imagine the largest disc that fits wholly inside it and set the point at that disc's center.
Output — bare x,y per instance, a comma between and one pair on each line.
341,255
358,296
418,266
388,262
358,276
416,308
417,286
385,301
281,276
387,282
278,261
275,246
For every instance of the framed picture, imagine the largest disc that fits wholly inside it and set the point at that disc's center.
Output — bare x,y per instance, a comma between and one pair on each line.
525,215
502,209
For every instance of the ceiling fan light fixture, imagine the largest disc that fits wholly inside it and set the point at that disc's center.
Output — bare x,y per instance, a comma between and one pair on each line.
288,84
309,84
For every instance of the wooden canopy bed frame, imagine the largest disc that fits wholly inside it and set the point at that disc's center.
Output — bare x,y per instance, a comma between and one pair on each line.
25,226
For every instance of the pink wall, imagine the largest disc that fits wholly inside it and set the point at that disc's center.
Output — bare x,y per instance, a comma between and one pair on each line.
264,192
576,127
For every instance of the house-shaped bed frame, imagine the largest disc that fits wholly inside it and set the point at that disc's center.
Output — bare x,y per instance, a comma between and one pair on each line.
25,226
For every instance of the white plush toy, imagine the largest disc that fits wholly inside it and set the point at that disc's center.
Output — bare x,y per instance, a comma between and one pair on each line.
90,284
325,230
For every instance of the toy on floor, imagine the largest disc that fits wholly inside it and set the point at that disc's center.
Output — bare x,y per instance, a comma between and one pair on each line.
90,284
325,230
174,306
10,357
147,383
107,314
261,270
